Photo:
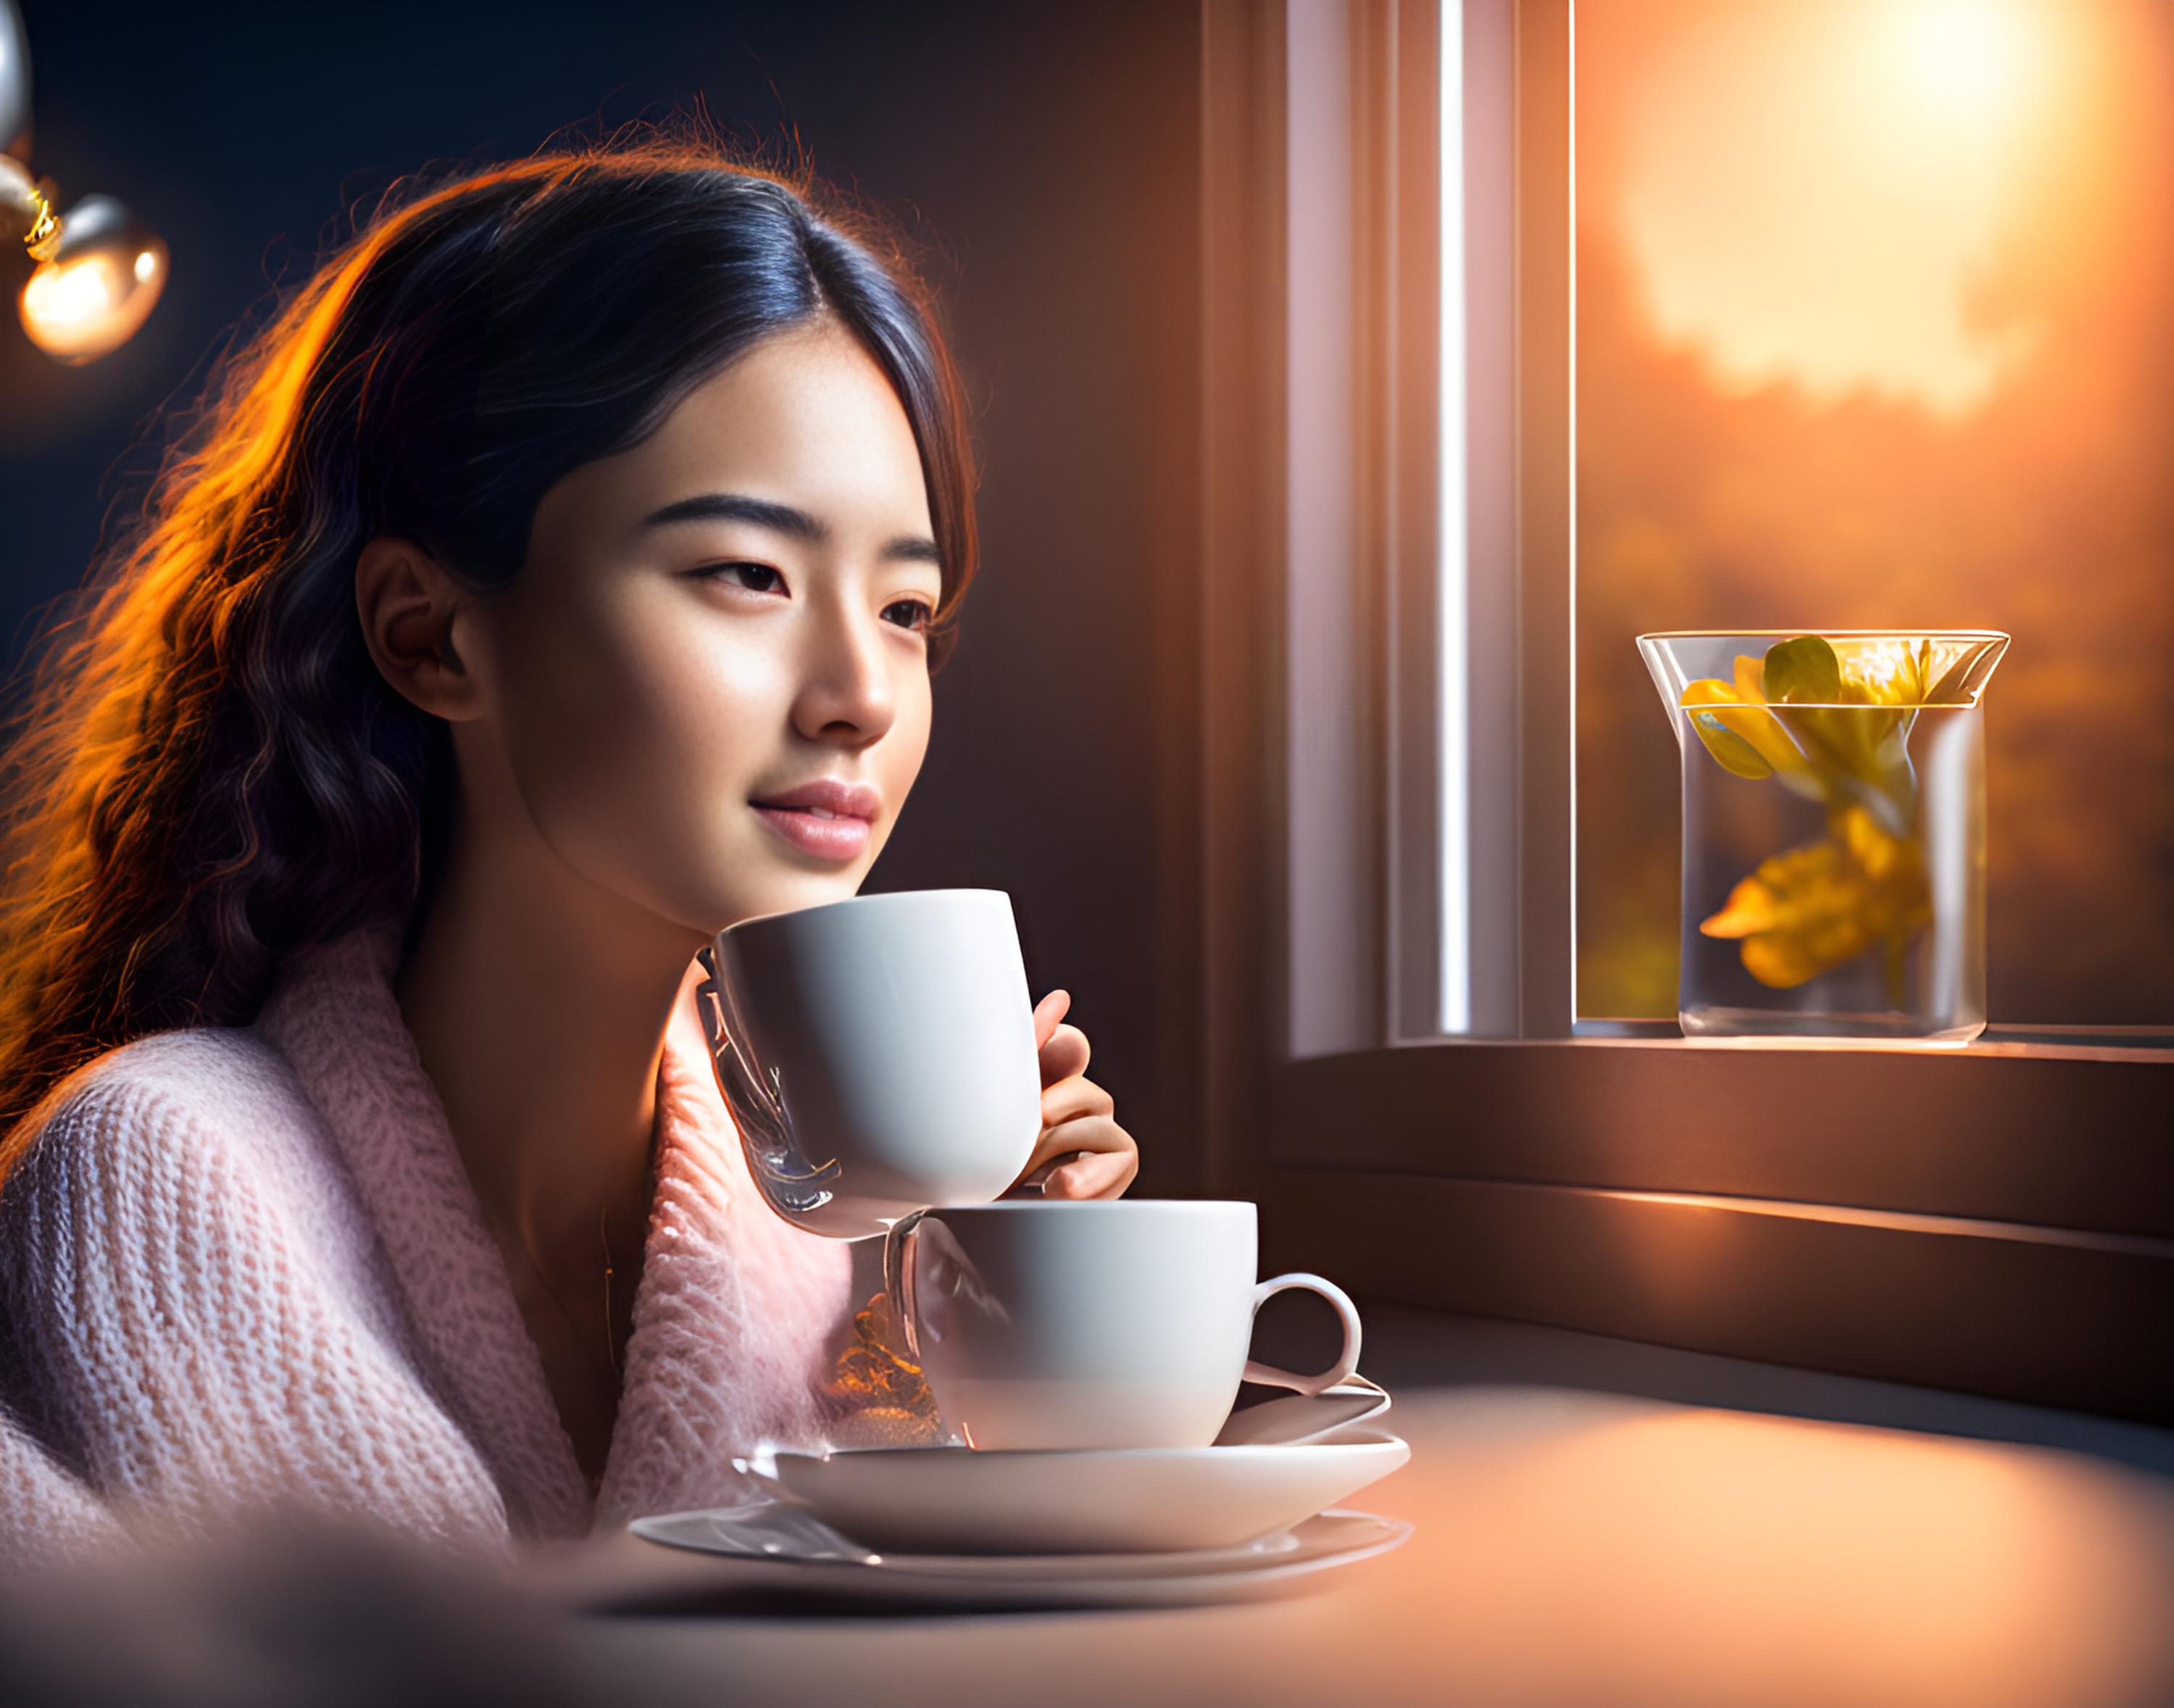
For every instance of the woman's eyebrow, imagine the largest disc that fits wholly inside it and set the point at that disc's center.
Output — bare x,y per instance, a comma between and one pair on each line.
780,518
735,506
911,548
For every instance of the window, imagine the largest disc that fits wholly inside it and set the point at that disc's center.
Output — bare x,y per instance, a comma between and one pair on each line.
1394,630
1875,327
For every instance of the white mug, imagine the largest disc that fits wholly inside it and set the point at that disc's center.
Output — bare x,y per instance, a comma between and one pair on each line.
878,1054
1056,1323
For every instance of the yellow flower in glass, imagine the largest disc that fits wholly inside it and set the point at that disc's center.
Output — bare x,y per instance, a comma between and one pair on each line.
1833,726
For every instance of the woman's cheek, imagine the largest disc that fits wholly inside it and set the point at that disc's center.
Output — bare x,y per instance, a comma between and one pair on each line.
636,754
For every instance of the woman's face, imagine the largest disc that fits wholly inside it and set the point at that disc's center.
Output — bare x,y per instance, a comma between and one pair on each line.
710,681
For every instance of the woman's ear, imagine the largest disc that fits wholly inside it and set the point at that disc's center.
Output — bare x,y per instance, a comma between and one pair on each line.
414,616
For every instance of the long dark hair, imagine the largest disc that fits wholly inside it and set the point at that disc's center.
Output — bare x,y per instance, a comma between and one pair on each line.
209,770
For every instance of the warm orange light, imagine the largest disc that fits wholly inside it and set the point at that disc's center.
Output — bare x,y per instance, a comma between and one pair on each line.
1869,156
1969,58
1984,250
100,287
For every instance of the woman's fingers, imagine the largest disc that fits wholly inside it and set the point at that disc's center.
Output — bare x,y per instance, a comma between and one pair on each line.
1098,1175
1058,1143
1070,1099
1082,1152
1063,1054
1047,1013
1055,1145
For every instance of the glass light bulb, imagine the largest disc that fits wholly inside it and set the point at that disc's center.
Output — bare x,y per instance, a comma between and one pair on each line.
99,286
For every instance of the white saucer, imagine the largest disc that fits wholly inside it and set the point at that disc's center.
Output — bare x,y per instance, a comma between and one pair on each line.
1294,1418
1116,1500
768,1543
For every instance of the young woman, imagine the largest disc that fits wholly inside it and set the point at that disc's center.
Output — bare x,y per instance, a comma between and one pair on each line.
557,579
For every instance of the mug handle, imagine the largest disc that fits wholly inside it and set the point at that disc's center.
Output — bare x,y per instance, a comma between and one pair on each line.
1347,1361
787,1178
898,1279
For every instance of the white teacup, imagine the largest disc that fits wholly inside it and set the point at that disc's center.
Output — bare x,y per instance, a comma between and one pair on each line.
1048,1323
877,1053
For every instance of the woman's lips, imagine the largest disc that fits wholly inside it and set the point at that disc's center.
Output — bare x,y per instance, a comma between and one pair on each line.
811,832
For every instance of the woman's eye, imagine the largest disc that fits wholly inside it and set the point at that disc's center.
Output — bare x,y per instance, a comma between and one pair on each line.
756,578
909,613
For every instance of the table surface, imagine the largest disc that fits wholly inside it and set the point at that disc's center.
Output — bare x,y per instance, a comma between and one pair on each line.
1598,1522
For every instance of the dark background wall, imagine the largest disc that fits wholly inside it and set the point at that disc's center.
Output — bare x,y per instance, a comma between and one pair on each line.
1048,152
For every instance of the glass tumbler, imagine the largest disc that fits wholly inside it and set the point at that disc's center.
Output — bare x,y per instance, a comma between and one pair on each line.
1834,833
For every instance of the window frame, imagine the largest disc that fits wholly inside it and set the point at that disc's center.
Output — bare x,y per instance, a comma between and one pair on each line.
1999,1219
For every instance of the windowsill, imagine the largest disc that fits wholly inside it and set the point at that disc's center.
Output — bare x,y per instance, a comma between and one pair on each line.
2065,1135
2048,1043
1996,1217
2137,1044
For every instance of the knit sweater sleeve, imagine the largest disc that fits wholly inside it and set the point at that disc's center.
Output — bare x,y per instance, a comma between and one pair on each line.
190,1286
46,1517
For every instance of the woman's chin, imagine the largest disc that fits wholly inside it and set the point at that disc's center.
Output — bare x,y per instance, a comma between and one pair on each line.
791,892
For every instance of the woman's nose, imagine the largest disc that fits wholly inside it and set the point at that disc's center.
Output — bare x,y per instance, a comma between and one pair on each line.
845,688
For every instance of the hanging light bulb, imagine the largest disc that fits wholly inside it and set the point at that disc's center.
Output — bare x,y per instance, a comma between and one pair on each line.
99,284
99,268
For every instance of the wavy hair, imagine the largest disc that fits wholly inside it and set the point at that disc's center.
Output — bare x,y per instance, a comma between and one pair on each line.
208,771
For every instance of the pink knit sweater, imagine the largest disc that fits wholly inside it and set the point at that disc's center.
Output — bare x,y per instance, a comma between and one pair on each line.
244,1267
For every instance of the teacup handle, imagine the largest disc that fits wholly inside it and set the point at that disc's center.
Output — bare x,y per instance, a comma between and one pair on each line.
1347,1361
898,1279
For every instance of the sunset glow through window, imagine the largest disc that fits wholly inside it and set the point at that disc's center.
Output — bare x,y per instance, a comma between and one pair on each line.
1815,190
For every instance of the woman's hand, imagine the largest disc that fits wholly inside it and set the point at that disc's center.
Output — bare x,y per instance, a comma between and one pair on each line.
1077,1116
